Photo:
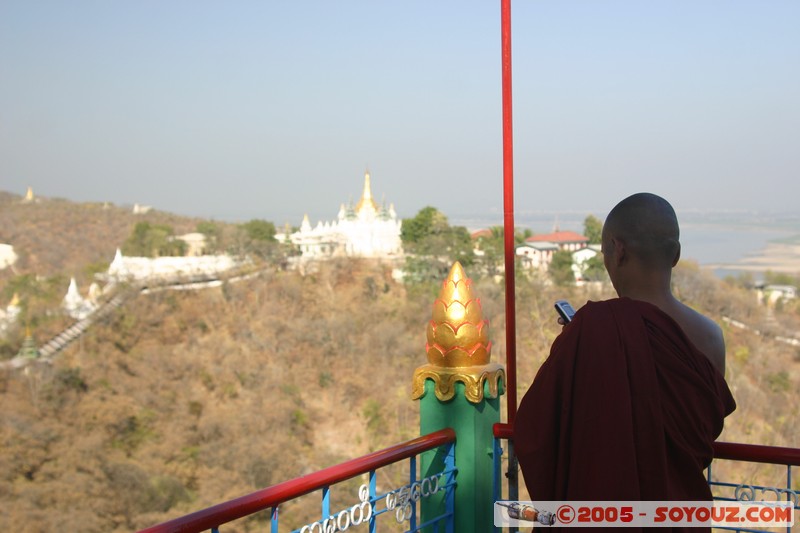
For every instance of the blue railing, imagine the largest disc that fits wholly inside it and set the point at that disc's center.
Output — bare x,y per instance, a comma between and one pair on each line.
437,487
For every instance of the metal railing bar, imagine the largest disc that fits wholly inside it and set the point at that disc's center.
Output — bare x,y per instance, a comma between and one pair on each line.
731,451
326,501
412,477
213,517
756,453
373,497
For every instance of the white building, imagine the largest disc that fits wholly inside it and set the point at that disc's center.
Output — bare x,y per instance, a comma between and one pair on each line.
165,268
775,293
579,261
536,255
195,243
365,230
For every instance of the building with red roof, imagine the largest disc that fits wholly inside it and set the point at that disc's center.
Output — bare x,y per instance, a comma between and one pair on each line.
481,233
565,240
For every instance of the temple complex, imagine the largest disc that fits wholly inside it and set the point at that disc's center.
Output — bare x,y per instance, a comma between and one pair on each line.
363,230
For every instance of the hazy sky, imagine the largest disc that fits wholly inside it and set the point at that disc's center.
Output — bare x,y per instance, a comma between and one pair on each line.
272,109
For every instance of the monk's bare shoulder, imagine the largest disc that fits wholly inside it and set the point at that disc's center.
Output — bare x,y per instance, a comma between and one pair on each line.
705,334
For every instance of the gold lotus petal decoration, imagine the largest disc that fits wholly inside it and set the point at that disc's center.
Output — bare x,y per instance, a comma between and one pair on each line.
483,334
457,326
443,335
439,311
468,334
457,357
458,346
456,312
474,312
430,330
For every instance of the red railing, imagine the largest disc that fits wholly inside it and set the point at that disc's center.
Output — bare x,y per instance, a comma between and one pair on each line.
271,497
754,453
732,451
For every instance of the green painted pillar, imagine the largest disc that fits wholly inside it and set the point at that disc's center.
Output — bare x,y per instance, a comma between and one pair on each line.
460,388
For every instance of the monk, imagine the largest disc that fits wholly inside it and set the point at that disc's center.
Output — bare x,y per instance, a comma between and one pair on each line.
632,396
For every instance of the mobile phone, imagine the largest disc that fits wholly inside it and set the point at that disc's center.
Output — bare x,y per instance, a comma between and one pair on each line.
565,310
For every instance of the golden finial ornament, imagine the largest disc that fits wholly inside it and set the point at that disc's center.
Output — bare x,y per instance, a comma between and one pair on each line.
458,346
366,201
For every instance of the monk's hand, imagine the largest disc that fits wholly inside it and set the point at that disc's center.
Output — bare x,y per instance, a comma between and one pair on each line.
561,321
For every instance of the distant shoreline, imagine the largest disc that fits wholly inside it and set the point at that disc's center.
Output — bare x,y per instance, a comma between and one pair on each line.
775,257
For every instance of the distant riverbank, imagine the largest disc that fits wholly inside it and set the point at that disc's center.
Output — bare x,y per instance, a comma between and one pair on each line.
732,250
752,244
775,257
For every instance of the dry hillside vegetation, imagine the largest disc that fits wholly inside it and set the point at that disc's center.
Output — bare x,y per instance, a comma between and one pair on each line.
181,400
58,237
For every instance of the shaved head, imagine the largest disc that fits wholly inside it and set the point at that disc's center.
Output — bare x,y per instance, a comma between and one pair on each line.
647,225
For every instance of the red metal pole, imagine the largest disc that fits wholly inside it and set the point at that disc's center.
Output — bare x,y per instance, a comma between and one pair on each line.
510,252
508,214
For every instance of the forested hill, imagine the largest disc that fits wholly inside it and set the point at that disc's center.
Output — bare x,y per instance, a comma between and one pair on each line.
180,400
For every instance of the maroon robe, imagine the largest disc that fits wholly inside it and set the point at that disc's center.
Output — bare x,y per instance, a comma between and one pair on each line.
625,408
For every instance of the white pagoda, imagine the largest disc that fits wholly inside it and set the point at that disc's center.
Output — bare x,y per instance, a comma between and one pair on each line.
365,230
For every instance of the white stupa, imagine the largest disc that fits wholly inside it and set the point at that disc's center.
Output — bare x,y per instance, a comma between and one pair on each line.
75,305
365,230
8,317
7,256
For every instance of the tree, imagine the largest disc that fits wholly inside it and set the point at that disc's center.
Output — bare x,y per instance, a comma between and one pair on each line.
560,268
593,229
429,221
153,240
780,278
490,254
429,233
433,245
522,235
212,232
257,238
38,295
259,230
594,269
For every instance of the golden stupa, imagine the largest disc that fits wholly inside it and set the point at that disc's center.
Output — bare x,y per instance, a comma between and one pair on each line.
366,201
458,346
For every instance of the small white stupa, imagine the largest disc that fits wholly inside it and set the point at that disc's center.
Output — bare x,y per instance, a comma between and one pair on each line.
9,317
75,305
7,256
